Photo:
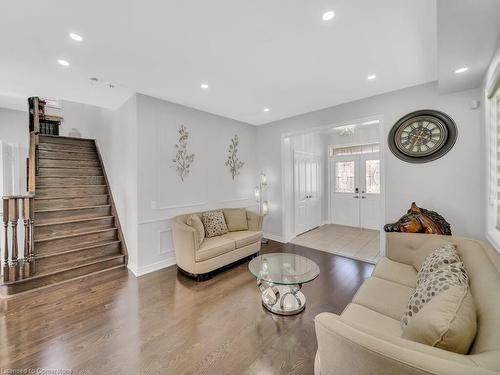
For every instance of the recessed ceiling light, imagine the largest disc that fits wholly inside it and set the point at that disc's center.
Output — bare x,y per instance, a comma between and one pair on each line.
204,86
371,76
63,62
266,109
76,37
461,70
327,16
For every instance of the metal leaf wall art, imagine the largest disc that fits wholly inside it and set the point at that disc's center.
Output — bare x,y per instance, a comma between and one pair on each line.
183,159
232,159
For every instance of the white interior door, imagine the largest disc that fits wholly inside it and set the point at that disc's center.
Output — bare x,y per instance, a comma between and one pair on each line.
344,172
355,190
307,192
370,191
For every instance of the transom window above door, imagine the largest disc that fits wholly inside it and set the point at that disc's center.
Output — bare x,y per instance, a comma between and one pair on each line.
354,150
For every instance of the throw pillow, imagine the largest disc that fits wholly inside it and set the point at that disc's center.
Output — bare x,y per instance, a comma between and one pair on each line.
427,247
236,219
448,321
195,222
439,281
214,223
444,255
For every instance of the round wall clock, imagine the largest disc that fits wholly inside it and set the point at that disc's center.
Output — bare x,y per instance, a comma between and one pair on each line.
422,136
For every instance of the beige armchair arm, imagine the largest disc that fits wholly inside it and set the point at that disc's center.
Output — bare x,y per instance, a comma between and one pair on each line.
348,349
254,221
185,245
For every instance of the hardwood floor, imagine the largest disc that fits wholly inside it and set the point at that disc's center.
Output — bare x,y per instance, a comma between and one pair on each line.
166,323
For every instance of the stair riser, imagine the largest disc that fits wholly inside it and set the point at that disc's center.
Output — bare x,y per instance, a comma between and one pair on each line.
67,155
69,172
72,191
65,147
54,163
48,231
47,264
63,244
67,141
43,217
61,277
44,204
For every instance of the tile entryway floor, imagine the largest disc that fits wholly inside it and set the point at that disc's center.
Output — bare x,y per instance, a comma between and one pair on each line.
356,243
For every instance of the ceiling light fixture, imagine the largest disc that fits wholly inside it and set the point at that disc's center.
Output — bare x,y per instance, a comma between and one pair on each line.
204,86
76,37
266,109
371,77
327,16
63,62
461,70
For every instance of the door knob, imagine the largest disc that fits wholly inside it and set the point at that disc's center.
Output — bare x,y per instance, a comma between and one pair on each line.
356,196
363,197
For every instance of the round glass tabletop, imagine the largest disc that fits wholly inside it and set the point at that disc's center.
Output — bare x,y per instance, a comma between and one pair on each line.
283,268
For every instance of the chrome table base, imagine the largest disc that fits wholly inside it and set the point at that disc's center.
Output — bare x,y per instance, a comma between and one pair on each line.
282,299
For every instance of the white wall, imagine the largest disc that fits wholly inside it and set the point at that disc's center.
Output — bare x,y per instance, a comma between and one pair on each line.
115,133
162,195
448,185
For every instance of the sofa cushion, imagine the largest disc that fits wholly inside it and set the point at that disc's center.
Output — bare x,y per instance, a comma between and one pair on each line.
195,222
442,256
244,237
214,246
448,321
439,281
236,219
394,271
383,296
214,223
365,317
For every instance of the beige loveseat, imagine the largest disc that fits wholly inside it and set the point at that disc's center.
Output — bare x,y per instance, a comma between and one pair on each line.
198,259
366,337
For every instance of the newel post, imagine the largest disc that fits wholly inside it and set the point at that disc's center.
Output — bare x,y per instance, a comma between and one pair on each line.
13,218
5,262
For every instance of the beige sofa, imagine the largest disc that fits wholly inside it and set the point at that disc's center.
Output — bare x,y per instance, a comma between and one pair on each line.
199,259
366,337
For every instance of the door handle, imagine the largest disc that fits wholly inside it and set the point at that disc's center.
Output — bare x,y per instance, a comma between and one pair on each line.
355,196
363,197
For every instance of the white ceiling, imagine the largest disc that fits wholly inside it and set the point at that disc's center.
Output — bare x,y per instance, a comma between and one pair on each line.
253,54
468,35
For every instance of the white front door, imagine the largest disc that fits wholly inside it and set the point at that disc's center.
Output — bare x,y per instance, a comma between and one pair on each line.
355,190
307,177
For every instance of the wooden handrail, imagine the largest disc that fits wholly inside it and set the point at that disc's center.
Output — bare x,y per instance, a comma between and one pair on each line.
16,266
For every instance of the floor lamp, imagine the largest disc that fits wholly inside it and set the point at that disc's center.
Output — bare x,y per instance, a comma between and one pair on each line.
259,197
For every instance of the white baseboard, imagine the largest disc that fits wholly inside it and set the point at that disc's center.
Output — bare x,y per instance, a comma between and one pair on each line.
274,237
139,271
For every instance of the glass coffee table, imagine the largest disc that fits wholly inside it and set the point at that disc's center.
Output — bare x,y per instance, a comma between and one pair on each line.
280,277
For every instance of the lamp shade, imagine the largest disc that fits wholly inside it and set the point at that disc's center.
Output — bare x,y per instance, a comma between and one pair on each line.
263,179
265,208
257,193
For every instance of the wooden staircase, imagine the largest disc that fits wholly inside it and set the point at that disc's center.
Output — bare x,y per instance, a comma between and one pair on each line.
75,230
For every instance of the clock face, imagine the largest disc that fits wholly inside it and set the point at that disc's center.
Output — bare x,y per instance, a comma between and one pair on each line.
420,136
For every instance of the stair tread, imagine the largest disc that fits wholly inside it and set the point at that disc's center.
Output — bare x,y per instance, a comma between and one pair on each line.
69,186
71,167
68,150
87,245
71,208
68,267
46,223
64,158
88,231
71,196
42,136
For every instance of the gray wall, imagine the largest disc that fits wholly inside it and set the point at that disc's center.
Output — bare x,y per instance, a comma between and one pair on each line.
449,185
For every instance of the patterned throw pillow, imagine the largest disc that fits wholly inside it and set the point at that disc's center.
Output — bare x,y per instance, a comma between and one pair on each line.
214,223
439,281
446,254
